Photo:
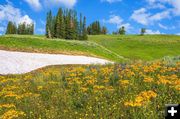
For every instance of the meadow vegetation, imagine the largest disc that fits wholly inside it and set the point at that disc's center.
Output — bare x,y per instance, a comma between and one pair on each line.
135,91
117,48
138,87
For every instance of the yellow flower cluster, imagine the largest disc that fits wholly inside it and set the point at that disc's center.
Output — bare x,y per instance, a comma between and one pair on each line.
124,82
7,106
11,114
148,79
141,99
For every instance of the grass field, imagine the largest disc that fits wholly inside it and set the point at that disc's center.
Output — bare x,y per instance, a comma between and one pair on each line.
112,47
135,91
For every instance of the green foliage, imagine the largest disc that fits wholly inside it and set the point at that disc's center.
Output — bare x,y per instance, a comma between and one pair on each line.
143,31
84,32
11,28
122,31
60,29
49,23
94,28
23,28
65,25
104,30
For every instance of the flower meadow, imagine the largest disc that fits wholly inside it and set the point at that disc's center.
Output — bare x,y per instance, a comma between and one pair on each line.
118,91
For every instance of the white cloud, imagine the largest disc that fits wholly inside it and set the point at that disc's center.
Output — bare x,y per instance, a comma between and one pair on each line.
174,3
10,13
143,17
111,1
39,4
126,25
66,3
140,16
162,26
35,4
25,19
146,17
151,1
153,4
114,19
159,16
178,34
118,21
148,31
157,6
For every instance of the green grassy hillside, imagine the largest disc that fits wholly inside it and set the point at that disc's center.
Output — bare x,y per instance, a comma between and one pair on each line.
111,47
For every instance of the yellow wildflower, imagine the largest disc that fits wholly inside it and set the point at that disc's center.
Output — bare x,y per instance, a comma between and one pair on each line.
40,87
84,89
7,106
124,82
164,81
148,79
11,114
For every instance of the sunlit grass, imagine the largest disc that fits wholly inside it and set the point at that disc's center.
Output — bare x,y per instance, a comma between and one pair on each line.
112,47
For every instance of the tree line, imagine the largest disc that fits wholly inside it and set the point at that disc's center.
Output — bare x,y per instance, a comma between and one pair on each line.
22,28
66,25
96,29
122,31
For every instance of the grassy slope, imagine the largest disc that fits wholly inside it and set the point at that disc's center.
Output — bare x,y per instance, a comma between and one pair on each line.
141,47
41,44
111,47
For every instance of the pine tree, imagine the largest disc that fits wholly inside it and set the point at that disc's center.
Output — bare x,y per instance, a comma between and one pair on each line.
98,28
58,26
23,28
71,19
32,29
104,30
75,25
84,37
65,25
80,27
122,31
89,30
53,23
143,31
14,29
94,28
11,28
49,25
69,32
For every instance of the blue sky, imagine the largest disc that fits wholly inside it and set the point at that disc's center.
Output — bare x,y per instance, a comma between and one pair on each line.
157,16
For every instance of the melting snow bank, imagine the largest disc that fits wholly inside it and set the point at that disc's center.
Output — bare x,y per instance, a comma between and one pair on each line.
21,62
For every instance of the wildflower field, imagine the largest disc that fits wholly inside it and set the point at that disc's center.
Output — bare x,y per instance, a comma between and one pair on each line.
119,91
